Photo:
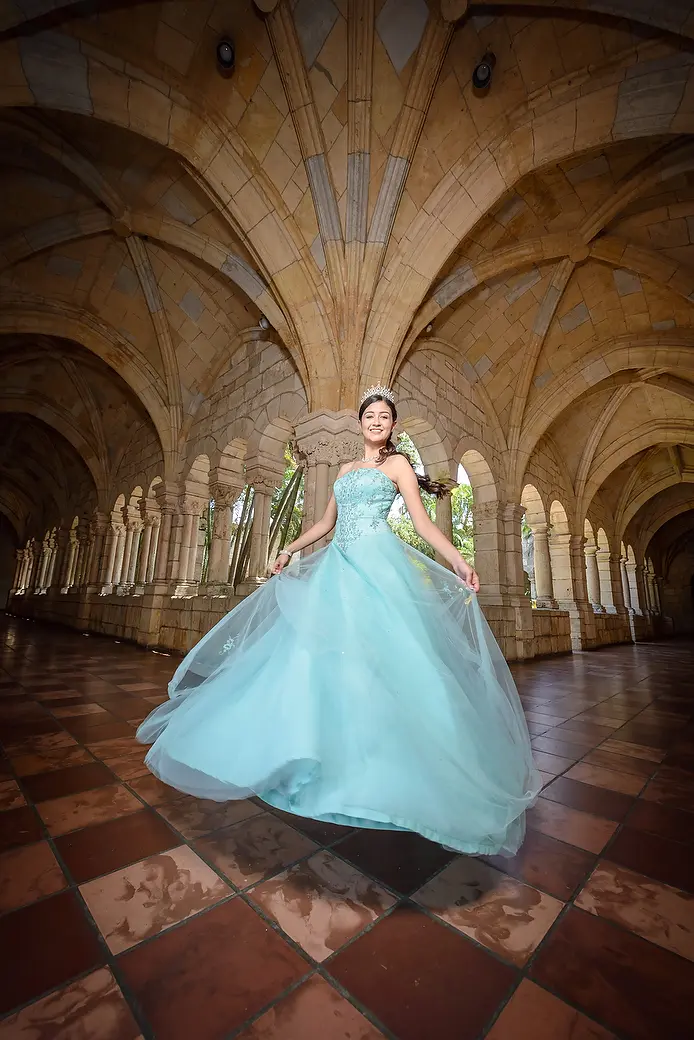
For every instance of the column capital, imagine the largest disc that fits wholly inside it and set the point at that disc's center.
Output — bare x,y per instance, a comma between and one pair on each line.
225,495
513,511
167,496
190,506
264,481
331,438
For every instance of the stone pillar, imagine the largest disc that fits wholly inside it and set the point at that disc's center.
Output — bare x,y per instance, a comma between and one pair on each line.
100,529
146,550
581,613
634,590
43,566
325,441
163,574
607,584
120,553
184,567
544,567
224,496
626,588
153,552
132,568
71,558
264,485
593,576
488,535
19,567
123,584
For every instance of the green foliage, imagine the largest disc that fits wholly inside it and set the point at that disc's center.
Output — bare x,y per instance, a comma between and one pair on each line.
293,524
461,506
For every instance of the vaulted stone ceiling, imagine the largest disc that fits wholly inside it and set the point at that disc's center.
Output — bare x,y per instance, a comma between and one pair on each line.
349,185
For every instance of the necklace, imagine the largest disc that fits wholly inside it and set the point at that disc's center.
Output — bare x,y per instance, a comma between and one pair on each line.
372,458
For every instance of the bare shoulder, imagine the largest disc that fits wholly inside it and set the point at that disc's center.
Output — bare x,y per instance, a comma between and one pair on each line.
344,468
396,467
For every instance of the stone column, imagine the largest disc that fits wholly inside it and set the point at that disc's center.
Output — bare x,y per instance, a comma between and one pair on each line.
264,485
19,567
154,549
581,613
593,576
191,508
224,496
123,584
132,568
325,441
626,589
607,585
544,567
68,575
43,566
146,550
100,529
490,558
120,552
167,500
634,589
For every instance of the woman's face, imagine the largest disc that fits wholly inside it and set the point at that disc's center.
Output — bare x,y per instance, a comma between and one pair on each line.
377,422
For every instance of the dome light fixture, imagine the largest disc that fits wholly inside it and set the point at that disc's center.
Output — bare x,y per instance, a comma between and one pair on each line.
482,75
226,56
264,323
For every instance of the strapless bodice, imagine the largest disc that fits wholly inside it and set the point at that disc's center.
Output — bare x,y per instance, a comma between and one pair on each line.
364,497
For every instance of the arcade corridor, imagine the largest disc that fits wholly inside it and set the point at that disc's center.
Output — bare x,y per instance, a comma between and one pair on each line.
143,913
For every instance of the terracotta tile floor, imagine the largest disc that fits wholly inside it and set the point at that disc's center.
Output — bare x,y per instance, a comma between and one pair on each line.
128,910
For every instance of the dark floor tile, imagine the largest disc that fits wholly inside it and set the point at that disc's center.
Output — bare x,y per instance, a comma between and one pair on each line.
649,736
660,858
562,748
598,800
668,789
19,827
92,734
683,760
72,780
421,979
547,864
93,851
663,820
14,732
206,978
321,833
81,726
635,988
401,861
51,942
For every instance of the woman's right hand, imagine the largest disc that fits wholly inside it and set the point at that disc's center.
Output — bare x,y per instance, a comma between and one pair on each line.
280,563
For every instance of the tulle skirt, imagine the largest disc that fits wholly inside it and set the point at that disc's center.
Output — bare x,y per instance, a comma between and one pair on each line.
360,687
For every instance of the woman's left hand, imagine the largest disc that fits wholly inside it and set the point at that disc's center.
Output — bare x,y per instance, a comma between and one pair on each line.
467,574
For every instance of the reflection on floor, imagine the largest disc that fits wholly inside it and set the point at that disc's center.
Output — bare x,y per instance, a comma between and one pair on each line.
128,910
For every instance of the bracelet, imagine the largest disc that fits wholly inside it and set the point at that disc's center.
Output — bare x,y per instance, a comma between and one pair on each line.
286,552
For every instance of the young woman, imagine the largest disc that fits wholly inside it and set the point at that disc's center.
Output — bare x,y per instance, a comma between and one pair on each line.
361,686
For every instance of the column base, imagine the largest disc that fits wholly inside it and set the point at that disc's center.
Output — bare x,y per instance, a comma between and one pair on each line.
249,586
547,603
217,589
185,590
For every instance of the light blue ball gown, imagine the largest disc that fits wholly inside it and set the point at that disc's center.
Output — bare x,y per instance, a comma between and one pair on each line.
362,686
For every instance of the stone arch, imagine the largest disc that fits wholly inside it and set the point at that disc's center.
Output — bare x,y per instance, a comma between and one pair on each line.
432,444
211,144
52,319
488,533
559,551
537,564
540,138
645,436
60,420
628,353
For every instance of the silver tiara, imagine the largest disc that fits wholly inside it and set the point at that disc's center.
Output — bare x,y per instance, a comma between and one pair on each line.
378,391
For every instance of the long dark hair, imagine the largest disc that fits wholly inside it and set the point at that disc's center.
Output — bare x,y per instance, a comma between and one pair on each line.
438,488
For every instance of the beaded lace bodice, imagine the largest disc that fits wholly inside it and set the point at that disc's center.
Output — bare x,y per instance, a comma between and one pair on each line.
364,497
